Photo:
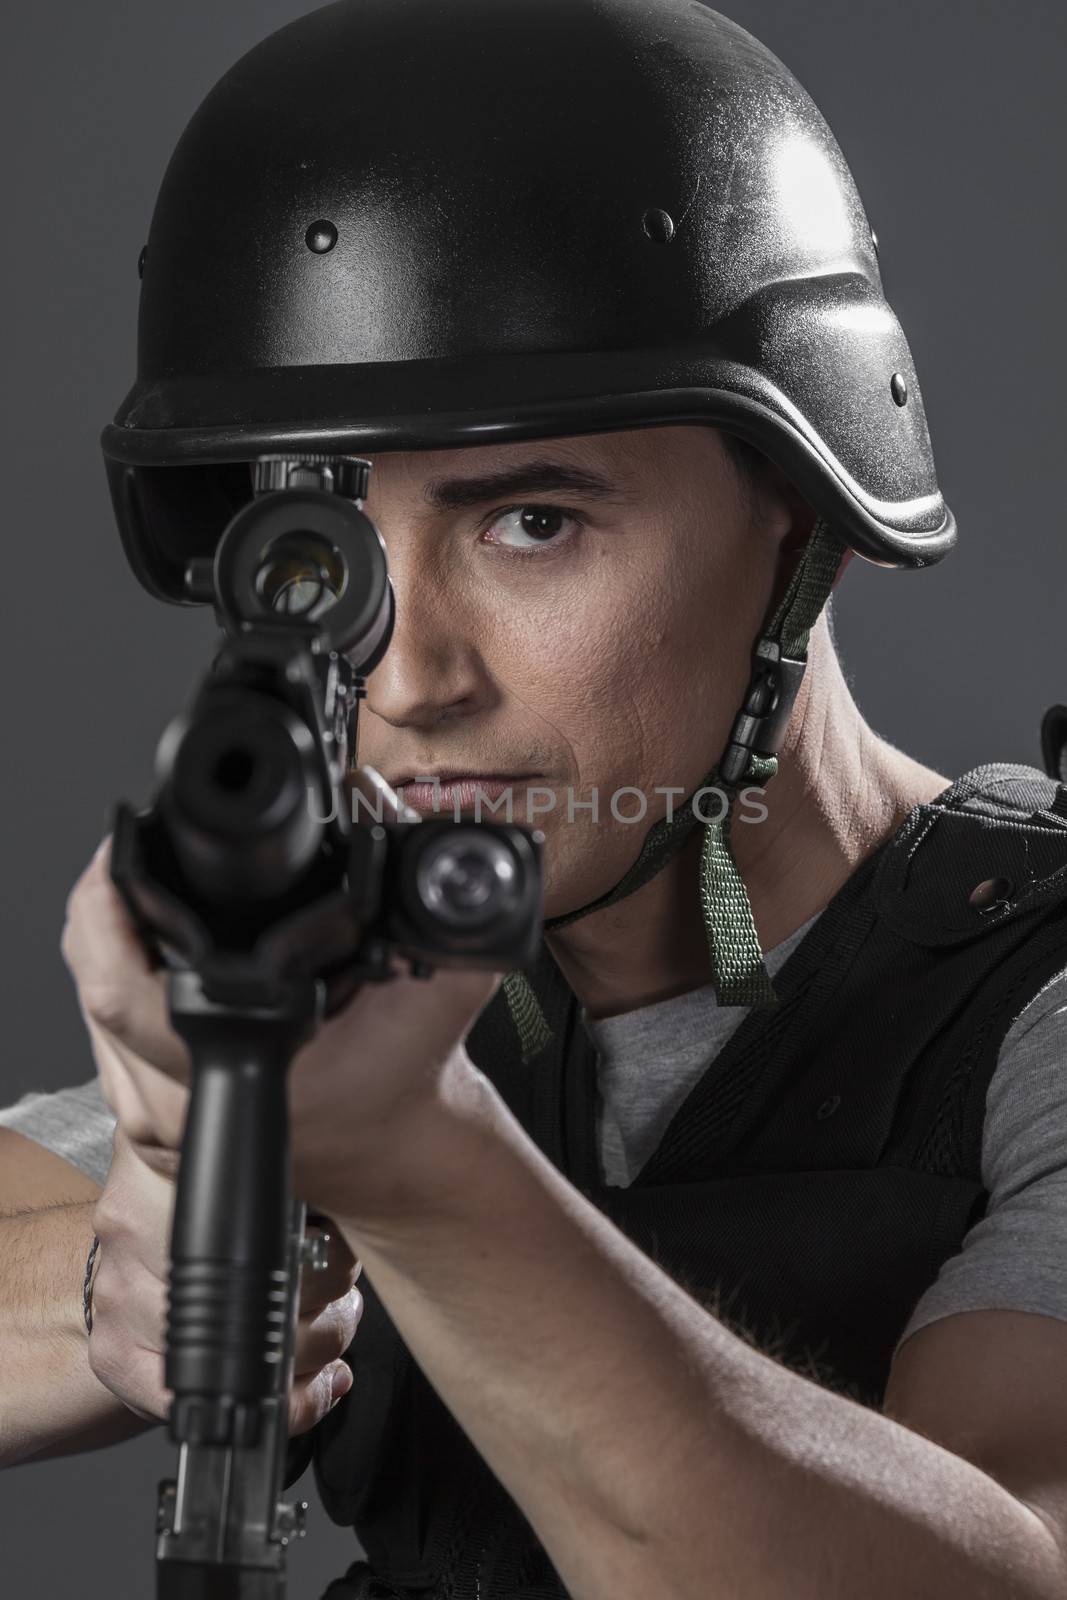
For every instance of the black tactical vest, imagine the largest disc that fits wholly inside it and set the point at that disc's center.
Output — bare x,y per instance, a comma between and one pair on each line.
807,1191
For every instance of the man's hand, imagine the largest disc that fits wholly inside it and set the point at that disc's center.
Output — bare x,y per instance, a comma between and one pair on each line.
133,1219
394,1047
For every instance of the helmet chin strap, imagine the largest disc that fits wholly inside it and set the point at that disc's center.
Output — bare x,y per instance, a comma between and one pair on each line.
750,758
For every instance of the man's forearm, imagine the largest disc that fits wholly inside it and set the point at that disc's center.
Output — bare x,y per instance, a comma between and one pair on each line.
51,1402
654,1451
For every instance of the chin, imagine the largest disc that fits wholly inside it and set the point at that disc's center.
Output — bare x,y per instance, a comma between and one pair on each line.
562,897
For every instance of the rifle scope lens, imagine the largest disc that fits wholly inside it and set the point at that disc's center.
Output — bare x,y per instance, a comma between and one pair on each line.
301,575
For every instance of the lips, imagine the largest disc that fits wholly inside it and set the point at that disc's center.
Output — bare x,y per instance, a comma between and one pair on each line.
464,792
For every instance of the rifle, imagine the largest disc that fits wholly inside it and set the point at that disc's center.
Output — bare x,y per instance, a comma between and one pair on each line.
249,879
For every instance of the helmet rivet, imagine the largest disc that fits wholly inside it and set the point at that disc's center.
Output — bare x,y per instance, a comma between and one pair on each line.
899,389
141,259
321,237
659,225
990,893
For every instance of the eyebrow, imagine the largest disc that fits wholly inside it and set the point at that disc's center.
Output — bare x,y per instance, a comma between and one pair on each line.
542,476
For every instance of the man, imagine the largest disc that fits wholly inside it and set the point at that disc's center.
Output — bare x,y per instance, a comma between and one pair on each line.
575,613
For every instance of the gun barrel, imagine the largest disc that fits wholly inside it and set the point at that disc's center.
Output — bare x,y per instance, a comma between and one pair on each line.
238,780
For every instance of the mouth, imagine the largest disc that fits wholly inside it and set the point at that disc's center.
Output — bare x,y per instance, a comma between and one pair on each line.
452,791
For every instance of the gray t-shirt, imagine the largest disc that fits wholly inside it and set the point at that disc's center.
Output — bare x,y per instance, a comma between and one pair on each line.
78,1124
649,1059
1014,1259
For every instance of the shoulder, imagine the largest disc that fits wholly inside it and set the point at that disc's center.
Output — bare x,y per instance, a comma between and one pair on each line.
1011,1259
1025,1129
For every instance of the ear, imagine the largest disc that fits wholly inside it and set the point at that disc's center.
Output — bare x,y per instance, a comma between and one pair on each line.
785,507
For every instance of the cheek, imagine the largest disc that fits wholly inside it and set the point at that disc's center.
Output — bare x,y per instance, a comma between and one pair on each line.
589,664
698,664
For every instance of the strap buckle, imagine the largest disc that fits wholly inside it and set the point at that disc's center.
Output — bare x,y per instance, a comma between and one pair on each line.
760,725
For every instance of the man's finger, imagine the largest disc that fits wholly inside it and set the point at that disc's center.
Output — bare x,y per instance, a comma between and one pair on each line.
312,1397
118,988
326,1336
151,1105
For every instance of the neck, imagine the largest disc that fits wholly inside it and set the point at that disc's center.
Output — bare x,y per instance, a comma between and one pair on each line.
840,792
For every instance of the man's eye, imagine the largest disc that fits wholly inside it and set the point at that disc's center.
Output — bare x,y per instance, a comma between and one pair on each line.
527,527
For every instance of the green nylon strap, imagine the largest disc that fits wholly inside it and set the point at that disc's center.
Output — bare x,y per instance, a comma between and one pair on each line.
530,1022
662,843
738,971
737,967
808,591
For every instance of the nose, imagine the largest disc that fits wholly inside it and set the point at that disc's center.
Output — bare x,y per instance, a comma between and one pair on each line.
433,669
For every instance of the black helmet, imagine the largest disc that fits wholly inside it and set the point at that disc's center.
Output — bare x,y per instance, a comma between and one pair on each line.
398,224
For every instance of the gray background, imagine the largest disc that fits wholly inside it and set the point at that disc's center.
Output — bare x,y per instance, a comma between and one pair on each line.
951,114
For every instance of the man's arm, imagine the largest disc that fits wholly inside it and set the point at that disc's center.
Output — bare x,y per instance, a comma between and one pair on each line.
51,1402
655,1452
